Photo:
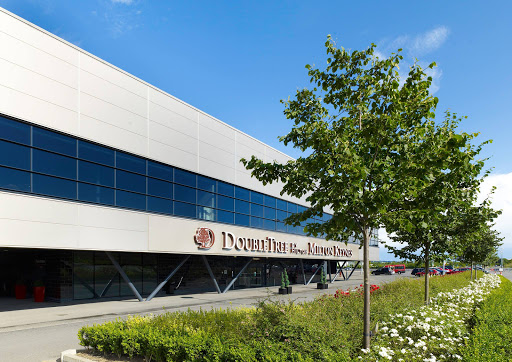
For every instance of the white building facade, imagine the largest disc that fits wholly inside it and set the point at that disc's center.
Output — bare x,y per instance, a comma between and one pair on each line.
111,187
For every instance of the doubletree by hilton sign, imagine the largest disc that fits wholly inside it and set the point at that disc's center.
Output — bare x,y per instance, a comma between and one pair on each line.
205,238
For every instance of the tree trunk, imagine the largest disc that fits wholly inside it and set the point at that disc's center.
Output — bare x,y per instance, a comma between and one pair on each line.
427,274
366,288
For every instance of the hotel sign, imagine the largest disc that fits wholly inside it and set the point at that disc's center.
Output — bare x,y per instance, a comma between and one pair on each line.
230,242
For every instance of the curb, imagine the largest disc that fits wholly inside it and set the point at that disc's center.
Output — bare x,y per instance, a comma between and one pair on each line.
69,355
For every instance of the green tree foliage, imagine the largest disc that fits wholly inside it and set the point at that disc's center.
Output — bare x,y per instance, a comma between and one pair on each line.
429,228
362,131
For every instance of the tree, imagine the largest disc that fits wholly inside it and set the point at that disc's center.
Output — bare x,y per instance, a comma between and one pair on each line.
361,129
427,226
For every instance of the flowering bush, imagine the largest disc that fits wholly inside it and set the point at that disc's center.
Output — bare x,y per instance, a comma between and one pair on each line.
431,333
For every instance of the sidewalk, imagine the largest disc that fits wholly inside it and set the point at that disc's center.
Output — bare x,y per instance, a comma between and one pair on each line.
25,314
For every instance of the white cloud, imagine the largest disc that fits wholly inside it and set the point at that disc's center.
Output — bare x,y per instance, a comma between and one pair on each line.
429,41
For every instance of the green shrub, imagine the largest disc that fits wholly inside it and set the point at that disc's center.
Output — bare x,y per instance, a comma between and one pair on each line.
491,334
327,329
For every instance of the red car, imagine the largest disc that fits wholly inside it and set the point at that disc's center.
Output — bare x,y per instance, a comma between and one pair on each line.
430,272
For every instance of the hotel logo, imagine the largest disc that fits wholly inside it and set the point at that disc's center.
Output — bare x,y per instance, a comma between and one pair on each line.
204,238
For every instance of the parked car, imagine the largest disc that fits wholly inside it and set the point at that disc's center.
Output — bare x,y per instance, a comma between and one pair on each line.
430,272
384,270
417,270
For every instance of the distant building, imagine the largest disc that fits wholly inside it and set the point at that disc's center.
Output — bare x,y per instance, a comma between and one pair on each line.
110,186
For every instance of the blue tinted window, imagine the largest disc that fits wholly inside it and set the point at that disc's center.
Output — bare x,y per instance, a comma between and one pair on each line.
131,200
52,186
97,194
241,193
301,208
256,197
256,222
205,198
130,181
226,203
225,216
130,163
281,215
269,201
206,183
327,217
14,155
269,224
159,188
96,174
292,208
269,213
182,209
184,178
183,193
91,152
242,206
52,141
282,205
14,131
159,205
14,179
225,189
206,213
281,227
243,220
159,171
53,164
256,210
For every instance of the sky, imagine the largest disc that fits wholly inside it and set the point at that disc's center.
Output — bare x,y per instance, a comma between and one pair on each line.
236,60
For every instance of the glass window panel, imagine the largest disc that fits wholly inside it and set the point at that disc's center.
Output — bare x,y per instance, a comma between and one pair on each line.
53,164
301,208
256,222
52,186
206,213
327,217
292,208
182,209
184,178
225,189
281,227
14,155
83,274
105,274
159,205
183,193
130,181
242,194
269,213
91,152
225,216
97,194
205,198
226,203
282,205
269,201
14,131
14,179
281,215
159,170
242,207
53,141
159,188
243,220
130,163
96,174
130,200
269,224
206,183
256,197
256,210
149,277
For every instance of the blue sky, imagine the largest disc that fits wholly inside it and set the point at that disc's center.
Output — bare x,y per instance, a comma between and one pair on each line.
237,59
